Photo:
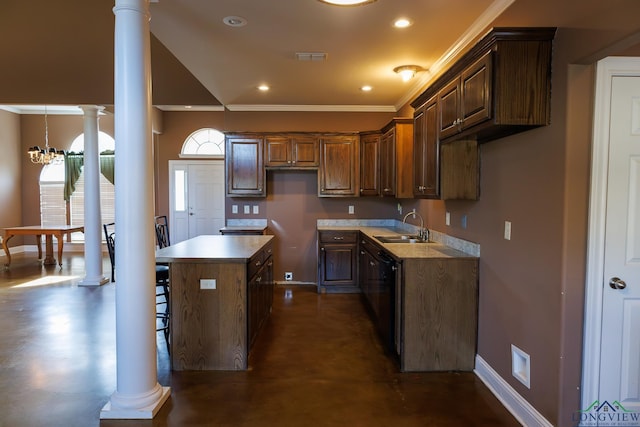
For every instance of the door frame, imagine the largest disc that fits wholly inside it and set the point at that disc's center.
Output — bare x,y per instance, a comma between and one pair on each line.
606,69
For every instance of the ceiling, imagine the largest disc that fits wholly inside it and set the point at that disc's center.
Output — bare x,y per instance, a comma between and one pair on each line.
63,55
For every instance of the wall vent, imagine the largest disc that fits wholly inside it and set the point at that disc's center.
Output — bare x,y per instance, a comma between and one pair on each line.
311,56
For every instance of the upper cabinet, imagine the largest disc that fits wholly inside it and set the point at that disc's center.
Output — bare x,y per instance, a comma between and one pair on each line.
465,101
500,87
294,151
396,159
426,151
245,166
338,173
370,164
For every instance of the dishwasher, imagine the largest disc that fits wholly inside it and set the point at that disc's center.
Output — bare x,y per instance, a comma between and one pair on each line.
386,299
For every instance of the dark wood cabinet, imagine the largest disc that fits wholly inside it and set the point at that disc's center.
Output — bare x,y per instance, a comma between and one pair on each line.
370,164
426,151
291,151
259,291
245,166
337,261
396,159
502,86
465,101
338,173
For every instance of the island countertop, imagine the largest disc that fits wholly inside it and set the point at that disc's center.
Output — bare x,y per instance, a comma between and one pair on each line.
212,249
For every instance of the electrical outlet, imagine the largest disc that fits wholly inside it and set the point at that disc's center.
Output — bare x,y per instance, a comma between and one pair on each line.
234,209
256,209
507,230
351,210
207,283
247,209
288,276
447,218
399,209
463,221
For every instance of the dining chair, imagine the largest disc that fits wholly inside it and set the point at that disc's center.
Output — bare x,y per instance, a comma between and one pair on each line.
162,231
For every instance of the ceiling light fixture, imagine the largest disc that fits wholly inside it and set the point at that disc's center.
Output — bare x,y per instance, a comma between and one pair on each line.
408,71
46,155
402,23
347,2
263,88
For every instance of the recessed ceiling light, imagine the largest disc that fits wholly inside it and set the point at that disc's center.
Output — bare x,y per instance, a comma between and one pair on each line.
402,23
234,21
263,88
366,88
347,2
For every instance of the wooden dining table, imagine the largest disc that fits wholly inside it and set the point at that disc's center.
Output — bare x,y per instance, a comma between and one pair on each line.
38,230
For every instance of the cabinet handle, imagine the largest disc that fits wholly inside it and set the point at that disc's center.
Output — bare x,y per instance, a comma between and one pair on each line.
361,252
371,263
258,263
338,238
289,161
322,249
258,279
293,162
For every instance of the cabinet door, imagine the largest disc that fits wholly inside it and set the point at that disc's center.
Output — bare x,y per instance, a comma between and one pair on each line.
370,165
338,264
427,151
476,92
304,151
449,109
245,167
338,173
277,151
388,163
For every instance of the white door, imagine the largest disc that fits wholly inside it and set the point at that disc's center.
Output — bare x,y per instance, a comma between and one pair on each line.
620,345
197,198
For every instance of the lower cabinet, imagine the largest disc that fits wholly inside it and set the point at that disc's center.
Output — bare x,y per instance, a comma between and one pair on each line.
337,258
259,291
438,306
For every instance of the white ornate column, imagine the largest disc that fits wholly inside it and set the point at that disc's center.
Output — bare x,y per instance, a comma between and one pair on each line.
92,213
138,394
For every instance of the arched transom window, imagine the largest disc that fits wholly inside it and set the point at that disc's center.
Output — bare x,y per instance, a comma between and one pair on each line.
205,142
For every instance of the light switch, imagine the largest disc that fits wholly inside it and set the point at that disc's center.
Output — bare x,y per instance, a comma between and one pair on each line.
256,209
234,209
351,210
247,209
507,230
447,218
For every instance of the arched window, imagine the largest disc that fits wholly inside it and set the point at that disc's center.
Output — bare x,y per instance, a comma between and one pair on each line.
53,208
205,142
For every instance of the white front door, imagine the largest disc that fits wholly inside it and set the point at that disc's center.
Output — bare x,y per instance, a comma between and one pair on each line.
197,198
620,346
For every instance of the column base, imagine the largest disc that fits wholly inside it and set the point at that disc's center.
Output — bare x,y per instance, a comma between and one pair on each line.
98,281
146,413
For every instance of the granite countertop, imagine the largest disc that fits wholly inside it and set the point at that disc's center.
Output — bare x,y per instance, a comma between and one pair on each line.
436,249
216,249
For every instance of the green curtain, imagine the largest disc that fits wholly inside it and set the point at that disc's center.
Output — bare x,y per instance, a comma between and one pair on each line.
73,163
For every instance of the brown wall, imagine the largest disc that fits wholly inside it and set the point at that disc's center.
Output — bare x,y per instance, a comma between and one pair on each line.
10,171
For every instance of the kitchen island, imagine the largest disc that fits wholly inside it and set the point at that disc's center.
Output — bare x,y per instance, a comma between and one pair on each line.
221,294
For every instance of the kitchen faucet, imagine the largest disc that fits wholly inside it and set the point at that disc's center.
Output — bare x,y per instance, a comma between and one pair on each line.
422,233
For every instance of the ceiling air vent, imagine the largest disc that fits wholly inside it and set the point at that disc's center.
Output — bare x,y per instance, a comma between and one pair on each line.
311,56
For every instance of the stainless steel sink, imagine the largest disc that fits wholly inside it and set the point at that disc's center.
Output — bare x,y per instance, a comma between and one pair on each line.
404,238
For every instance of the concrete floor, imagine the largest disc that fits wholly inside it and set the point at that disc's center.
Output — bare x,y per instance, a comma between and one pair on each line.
318,362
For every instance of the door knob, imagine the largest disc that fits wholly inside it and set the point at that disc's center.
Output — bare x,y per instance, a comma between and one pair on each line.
617,283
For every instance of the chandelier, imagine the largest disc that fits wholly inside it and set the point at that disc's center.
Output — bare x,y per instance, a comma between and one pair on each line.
46,155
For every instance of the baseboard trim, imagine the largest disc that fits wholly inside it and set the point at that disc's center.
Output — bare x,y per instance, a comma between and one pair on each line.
522,410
